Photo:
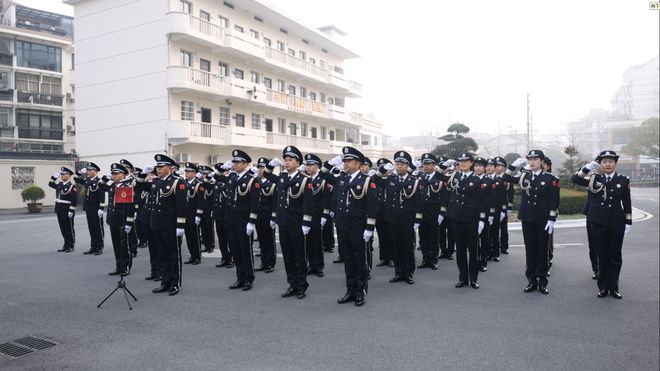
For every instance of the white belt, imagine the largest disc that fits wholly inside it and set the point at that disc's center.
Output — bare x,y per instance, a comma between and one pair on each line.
62,201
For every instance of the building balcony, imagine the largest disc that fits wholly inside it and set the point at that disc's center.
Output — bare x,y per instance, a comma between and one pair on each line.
198,132
305,144
275,56
43,99
182,77
293,103
8,132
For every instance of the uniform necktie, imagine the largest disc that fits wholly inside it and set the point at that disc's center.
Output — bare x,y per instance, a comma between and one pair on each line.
608,178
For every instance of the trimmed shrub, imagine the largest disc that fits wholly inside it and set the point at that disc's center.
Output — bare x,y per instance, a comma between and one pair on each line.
32,193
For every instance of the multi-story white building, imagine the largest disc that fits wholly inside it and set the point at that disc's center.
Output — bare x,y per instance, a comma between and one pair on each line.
36,99
197,78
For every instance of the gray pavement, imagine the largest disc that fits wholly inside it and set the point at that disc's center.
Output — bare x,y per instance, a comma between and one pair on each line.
429,325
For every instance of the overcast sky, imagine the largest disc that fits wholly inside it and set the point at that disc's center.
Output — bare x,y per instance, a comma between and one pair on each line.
425,64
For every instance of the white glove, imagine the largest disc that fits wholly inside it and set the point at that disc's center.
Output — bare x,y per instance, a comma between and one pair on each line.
518,162
388,166
179,232
302,168
593,165
332,214
227,165
335,161
249,229
99,212
490,220
416,226
449,163
372,172
273,224
56,175
70,214
417,163
502,215
148,168
481,227
340,167
366,236
323,221
83,170
441,218
275,162
550,226
198,220
415,173
180,172
527,167
198,175
628,228
305,230
127,229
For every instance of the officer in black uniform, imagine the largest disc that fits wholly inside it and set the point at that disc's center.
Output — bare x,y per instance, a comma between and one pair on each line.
610,215
168,221
219,206
93,205
241,216
132,236
547,167
446,229
467,211
357,203
66,199
293,220
385,253
266,219
538,212
403,213
147,202
194,211
428,231
480,164
206,225
121,217
593,254
500,206
500,168
365,168
313,244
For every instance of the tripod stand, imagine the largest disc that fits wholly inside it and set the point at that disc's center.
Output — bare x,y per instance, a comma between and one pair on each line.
124,242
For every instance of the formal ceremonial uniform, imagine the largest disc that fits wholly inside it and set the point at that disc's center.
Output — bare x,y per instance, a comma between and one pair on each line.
384,244
328,230
446,228
499,194
194,211
315,205
131,179
428,230
593,253
66,199
403,213
292,190
93,201
504,224
490,200
147,202
206,225
119,216
538,212
610,216
266,214
219,206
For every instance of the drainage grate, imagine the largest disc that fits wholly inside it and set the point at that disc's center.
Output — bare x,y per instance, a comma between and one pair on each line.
27,345
13,350
35,342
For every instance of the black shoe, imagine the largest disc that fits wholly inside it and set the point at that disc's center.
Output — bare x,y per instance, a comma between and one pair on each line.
150,277
269,269
261,268
359,300
615,294
530,288
594,275
289,292
223,263
338,260
237,285
173,290
69,249
434,267
602,293
62,249
125,273
505,252
547,274
424,265
208,250
98,252
301,295
390,263
482,269
474,285
189,261
346,299
114,273
230,265
409,280
320,274
158,278
258,255
247,286
460,284
449,257
311,271
382,263
89,252
161,288
134,255
496,259
396,279
196,262
543,290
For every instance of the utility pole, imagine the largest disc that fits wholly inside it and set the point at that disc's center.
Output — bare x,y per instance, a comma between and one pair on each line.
529,131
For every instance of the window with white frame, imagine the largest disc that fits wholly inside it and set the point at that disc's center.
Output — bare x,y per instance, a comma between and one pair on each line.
224,116
314,132
240,120
281,125
238,74
256,120
223,69
324,132
204,15
293,128
268,82
280,85
186,7
322,97
302,55
254,77
224,22
254,34
292,90
303,129
267,41
238,28
186,58
312,60
312,95
303,92
292,52
187,110
280,46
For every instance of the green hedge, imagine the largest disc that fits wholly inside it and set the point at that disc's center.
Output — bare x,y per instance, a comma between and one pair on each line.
570,201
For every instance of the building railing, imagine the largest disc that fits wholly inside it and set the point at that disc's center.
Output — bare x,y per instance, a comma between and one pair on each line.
355,86
296,102
295,62
206,27
208,130
35,98
204,78
7,132
286,140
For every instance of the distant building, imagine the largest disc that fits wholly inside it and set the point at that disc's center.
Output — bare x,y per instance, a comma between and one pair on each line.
37,126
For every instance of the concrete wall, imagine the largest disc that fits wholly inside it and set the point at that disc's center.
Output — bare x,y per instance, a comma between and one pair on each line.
43,170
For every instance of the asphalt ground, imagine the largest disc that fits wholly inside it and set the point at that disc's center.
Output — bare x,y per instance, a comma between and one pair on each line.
429,325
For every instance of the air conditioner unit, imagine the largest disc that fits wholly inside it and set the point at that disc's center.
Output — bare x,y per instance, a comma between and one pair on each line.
68,95
182,157
214,159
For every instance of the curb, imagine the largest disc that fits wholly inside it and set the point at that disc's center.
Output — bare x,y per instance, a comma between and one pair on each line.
580,223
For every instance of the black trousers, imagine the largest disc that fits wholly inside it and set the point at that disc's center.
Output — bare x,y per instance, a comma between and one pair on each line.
466,243
123,259
266,243
428,240
536,251
484,245
95,227
241,251
504,233
329,235
384,243
446,237
353,250
207,232
608,240
154,259
133,241
370,254
593,254
314,247
66,228
192,239
292,243
494,237
551,248
141,238
402,239
169,252
223,241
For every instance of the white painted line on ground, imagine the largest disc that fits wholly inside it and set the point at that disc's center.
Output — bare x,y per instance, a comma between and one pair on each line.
556,245
27,220
644,198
